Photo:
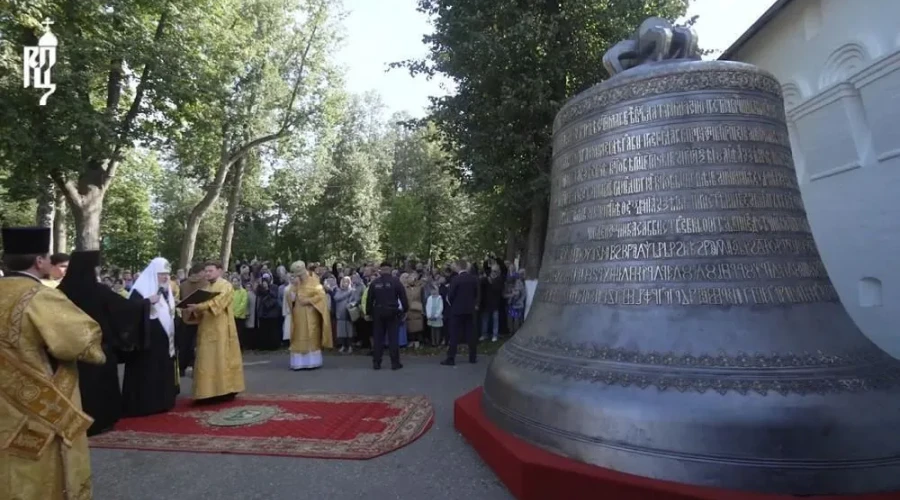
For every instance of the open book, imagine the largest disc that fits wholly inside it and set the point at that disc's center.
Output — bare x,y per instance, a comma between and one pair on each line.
198,297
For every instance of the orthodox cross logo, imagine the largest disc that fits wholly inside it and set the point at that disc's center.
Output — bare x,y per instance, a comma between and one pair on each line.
37,62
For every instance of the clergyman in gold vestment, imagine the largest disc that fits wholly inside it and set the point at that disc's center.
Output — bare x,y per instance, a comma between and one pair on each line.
310,319
218,368
43,442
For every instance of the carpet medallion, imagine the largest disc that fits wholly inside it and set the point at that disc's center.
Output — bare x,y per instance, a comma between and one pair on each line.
296,425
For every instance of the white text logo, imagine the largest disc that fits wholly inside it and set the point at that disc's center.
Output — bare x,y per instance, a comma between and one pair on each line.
37,62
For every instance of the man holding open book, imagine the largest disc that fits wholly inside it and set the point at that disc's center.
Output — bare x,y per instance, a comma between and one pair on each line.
218,368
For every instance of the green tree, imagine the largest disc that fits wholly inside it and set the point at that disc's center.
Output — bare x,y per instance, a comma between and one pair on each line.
402,235
129,230
120,65
299,180
343,221
174,198
268,88
426,209
514,64
254,218
14,212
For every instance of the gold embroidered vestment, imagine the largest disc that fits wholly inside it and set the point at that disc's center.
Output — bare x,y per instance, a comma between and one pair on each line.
219,367
43,446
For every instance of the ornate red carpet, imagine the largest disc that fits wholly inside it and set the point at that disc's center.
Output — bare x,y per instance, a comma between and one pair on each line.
309,425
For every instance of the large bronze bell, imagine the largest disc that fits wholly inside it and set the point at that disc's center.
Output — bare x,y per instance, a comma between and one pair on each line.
684,327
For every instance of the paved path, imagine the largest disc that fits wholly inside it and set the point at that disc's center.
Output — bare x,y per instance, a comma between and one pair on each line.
438,466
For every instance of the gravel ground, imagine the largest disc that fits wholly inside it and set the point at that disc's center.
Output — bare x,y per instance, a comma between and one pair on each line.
438,466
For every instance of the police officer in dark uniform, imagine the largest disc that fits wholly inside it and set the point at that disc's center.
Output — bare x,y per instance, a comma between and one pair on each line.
387,301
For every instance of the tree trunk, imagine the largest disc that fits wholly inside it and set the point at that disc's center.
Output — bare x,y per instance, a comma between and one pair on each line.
85,193
60,228
44,213
197,213
229,157
429,227
536,234
234,201
512,244
190,238
86,211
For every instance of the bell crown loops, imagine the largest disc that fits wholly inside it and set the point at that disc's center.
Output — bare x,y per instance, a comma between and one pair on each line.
655,40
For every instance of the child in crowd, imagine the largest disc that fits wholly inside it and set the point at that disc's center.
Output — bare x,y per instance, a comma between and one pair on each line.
434,309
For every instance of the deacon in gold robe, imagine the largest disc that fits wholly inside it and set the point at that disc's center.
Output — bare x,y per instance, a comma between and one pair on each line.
43,442
310,321
218,367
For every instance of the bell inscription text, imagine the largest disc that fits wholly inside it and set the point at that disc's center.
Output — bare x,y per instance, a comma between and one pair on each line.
730,133
639,114
715,155
672,196
726,271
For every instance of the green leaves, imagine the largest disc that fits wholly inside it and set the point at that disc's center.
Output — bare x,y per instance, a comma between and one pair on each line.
514,64
129,227
423,203
334,211
175,88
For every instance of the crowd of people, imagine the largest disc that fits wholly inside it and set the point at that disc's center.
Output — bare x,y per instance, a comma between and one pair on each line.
67,325
262,305
260,308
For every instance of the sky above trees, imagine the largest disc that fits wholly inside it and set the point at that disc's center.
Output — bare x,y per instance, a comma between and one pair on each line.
378,33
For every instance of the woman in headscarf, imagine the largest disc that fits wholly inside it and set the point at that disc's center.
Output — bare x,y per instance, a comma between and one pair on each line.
355,309
268,315
151,381
122,323
415,319
343,324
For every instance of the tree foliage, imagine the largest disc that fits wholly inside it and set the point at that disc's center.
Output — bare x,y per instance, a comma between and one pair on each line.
424,202
129,231
342,222
161,105
120,63
514,64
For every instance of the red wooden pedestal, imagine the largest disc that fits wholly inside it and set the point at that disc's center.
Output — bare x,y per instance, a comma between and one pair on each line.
531,473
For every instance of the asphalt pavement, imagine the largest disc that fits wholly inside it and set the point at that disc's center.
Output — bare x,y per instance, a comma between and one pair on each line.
438,466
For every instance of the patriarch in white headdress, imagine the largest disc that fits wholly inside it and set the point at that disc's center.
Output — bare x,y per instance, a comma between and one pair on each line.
154,282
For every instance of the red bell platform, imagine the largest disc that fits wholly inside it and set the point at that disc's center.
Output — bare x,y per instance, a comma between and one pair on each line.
531,473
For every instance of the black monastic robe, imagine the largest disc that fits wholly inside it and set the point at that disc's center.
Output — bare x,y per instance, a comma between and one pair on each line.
122,322
151,380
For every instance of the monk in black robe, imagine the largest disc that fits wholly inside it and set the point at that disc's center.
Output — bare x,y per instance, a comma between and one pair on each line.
151,374
122,323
